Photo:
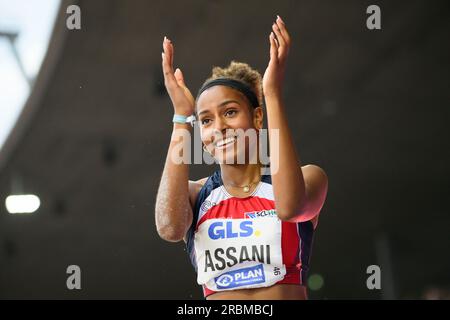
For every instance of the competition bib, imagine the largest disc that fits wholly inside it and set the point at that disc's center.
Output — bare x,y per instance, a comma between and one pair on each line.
239,253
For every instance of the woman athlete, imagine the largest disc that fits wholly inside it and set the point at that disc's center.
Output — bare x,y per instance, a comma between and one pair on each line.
248,233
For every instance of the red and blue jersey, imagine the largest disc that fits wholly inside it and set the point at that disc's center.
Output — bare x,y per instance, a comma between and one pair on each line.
236,243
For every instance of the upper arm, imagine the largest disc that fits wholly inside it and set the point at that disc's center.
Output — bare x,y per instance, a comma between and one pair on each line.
194,189
316,188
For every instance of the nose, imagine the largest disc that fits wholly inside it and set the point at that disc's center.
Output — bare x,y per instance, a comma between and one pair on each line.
220,126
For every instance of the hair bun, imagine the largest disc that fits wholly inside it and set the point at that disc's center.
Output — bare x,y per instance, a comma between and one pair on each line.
240,71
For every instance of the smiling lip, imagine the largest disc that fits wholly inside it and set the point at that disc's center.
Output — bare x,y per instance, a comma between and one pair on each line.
225,142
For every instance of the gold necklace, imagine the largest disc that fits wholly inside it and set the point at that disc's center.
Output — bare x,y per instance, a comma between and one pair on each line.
245,188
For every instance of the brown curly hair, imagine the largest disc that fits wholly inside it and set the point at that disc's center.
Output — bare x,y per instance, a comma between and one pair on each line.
240,71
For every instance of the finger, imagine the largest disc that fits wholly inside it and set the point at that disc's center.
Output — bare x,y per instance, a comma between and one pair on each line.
167,68
169,77
166,56
276,41
168,49
273,48
278,34
283,30
282,49
180,78
171,51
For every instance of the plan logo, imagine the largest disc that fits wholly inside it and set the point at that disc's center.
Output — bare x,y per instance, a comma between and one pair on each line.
241,277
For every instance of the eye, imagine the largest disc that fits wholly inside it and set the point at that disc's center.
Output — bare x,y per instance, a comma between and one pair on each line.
203,121
231,111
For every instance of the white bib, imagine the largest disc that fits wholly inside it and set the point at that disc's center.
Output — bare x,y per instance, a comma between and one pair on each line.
239,253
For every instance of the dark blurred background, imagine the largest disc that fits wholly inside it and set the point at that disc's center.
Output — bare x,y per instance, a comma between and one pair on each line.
371,107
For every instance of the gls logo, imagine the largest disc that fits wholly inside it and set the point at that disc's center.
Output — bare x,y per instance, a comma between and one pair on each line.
224,230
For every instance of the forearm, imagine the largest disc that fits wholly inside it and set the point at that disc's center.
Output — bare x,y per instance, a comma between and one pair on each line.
173,212
287,178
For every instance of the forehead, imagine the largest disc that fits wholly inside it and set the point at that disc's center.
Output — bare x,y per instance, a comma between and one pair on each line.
214,96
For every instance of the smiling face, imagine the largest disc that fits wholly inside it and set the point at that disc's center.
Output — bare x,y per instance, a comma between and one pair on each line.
221,112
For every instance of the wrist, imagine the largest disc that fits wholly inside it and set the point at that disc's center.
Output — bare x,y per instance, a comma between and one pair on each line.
273,97
272,91
182,119
177,126
185,113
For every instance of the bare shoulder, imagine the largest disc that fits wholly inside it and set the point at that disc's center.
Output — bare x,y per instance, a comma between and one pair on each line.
202,181
314,176
316,181
313,169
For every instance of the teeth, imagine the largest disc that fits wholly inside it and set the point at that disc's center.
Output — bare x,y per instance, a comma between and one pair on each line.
224,142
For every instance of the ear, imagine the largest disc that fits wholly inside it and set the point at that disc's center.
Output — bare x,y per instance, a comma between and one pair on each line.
258,116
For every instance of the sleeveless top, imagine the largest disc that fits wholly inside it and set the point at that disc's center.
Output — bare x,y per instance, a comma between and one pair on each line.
240,243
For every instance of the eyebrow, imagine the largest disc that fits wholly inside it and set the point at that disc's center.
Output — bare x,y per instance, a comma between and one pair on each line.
220,105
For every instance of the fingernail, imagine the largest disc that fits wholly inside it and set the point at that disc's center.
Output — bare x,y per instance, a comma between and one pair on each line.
162,55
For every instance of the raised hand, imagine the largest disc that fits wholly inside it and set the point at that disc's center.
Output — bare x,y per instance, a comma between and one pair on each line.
280,43
182,99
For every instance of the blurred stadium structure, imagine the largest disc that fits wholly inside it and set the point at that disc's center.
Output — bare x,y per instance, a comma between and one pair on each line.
370,107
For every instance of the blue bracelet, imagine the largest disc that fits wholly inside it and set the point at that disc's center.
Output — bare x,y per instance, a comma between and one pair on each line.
178,118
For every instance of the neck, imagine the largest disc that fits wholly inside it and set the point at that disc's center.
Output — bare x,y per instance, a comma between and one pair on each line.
240,174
